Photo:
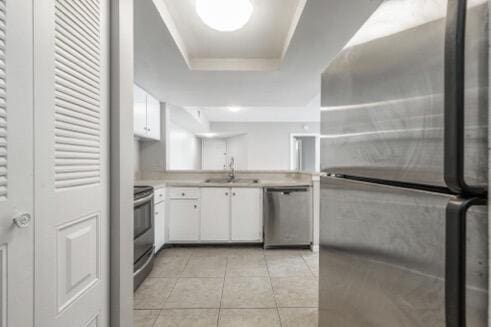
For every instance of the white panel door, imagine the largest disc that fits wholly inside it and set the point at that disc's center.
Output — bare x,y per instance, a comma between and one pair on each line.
247,214
214,153
153,118
215,214
183,220
139,111
159,225
71,43
16,163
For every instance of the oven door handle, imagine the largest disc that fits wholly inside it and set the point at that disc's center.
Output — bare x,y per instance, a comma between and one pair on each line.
150,257
143,200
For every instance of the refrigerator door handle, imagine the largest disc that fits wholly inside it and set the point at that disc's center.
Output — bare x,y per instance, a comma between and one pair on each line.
455,259
454,131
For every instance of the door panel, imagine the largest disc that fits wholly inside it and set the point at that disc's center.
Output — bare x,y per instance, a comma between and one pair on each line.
71,152
384,118
382,260
184,222
215,214
16,163
247,214
214,154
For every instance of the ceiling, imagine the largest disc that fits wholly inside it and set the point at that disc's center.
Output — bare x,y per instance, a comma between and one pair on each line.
204,48
323,29
308,113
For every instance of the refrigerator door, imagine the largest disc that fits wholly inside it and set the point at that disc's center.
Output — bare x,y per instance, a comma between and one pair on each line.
382,96
382,257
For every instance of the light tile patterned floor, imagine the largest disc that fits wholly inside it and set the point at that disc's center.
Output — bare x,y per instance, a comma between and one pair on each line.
230,287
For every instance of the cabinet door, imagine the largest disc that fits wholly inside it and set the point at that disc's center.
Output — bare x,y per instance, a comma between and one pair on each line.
139,111
215,214
247,217
153,118
184,220
159,225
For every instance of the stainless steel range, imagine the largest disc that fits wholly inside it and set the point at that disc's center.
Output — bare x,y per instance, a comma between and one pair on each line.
143,233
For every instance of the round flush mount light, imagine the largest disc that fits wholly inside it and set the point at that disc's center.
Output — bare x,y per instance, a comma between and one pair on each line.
224,15
234,109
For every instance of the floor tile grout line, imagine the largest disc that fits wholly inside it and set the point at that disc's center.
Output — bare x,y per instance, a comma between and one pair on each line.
270,281
170,292
231,308
158,316
308,266
272,289
223,285
223,288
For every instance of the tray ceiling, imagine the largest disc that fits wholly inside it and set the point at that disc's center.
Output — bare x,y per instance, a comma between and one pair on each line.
259,46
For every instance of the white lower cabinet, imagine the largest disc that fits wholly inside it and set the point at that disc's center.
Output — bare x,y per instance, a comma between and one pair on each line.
159,218
215,214
184,220
159,225
247,215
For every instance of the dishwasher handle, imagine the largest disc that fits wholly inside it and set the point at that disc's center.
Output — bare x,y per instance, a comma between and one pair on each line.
287,191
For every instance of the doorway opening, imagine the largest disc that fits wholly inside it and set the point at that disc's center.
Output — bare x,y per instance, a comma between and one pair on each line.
304,152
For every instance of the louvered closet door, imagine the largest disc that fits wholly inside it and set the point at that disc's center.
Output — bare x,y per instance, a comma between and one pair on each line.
71,173
16,164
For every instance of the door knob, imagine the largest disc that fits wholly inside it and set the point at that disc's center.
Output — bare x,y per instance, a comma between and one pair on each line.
23,220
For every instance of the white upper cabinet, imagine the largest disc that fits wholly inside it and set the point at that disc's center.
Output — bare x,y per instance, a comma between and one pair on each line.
153,118
146,111
139,111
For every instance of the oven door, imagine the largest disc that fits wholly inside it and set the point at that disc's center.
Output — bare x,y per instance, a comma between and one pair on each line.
143,226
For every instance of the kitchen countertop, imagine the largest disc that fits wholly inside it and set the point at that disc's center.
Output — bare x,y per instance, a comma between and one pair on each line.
181,183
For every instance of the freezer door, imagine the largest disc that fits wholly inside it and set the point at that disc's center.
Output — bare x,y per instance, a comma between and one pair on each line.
382,257
382,96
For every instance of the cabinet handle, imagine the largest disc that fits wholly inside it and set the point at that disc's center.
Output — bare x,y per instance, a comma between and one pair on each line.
183,194
156,212
195,206
226,193
233,194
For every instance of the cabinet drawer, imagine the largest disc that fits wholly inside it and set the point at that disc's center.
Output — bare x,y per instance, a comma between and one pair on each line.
159,195
184,193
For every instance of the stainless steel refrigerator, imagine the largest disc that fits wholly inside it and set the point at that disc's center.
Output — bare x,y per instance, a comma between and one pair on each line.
404,217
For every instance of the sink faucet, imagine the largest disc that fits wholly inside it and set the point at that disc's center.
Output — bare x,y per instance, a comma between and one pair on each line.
231,165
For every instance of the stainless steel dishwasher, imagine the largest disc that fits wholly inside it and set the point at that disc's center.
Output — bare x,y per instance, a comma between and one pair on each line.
287,216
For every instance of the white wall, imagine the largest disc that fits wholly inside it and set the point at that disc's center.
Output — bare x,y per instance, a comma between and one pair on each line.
184,149
268,143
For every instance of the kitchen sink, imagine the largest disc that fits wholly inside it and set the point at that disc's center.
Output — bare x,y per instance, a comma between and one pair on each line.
232,181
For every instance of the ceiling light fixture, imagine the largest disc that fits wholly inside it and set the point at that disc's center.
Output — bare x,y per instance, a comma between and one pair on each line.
234,109
224,15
